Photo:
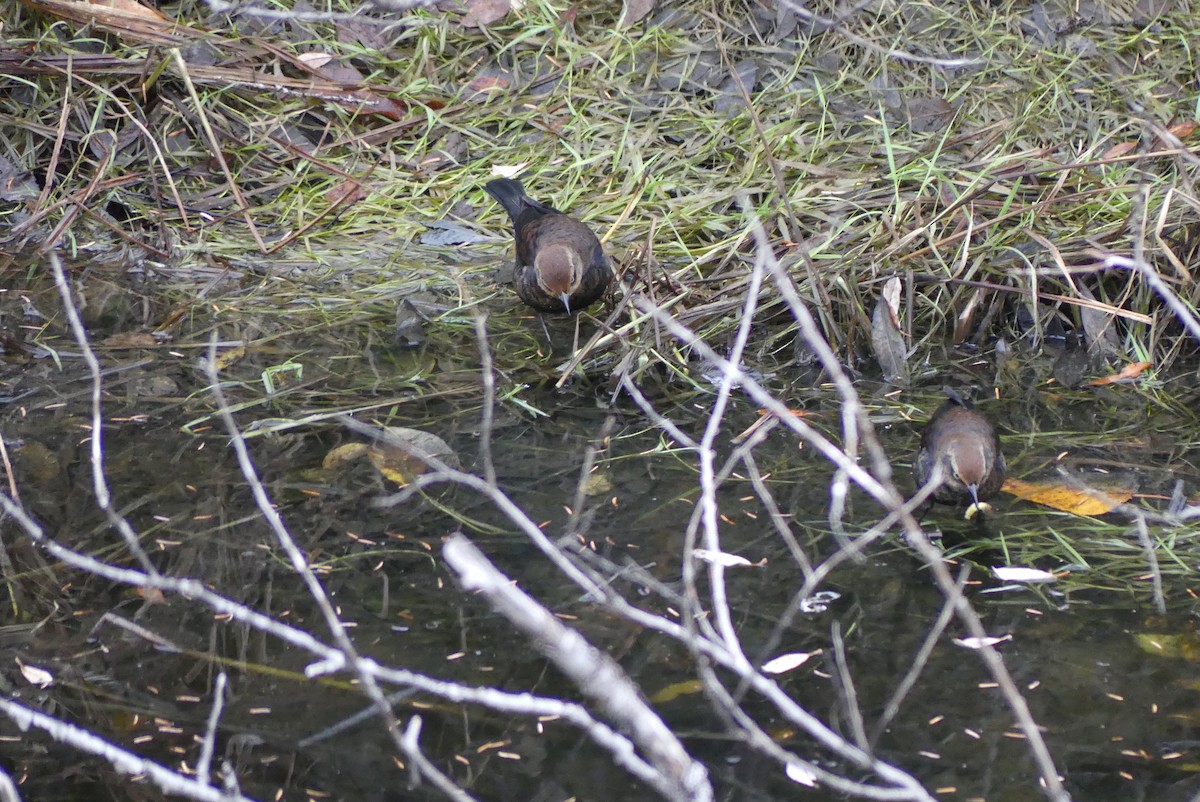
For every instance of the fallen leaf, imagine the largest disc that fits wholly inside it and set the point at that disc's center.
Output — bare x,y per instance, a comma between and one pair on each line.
1007,573
481,13
1118,150
688,687
801,774
230,357
347,191
507,171
1180,130
1183,129
491,81
314,60
127,19
152,595
597,484
133,8
1127,373
720,558
1184,645
632,11
130,339
886,338
444,232
400,457
347,452
36,676
1059,497
787,662
38,462
979,643
927,115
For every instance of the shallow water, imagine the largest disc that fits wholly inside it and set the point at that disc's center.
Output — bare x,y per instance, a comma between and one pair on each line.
1117,715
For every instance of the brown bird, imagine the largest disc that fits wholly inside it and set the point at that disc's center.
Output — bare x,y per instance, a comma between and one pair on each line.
964,443
561,266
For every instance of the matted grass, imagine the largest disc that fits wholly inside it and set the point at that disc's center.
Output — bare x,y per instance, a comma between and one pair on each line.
642,133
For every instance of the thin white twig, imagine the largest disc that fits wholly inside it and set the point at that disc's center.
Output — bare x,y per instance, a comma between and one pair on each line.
169,781
209,741
678,776
99,482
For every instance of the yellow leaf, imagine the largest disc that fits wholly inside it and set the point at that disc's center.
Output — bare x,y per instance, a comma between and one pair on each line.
1067,499
347,452
398,457
1127,373
229,357
672,692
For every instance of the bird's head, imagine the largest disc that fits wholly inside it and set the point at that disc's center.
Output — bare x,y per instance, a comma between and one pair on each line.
967,463
559,270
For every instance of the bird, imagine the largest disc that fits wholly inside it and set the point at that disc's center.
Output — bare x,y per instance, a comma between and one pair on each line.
561,266
964,443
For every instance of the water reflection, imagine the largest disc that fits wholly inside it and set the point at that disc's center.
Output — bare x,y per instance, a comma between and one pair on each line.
138,667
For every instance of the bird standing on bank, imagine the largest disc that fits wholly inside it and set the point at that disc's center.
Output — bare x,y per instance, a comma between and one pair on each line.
964,443
561,266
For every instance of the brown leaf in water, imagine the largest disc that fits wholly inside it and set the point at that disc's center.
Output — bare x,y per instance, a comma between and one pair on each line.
229,357
1059,497
886,338
1184,645
399,458
339,456
689,687
130,339
1127,373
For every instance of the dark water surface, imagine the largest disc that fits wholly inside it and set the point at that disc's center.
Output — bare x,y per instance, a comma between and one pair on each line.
1119,717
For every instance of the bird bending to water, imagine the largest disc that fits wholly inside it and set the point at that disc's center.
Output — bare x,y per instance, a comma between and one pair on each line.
964,443
561,266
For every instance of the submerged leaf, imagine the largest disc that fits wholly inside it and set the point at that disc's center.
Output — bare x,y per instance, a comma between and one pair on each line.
1185,645
400,458
597,484
1127,373
347,452
672,692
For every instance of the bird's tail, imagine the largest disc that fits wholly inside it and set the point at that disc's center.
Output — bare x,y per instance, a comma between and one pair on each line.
509,194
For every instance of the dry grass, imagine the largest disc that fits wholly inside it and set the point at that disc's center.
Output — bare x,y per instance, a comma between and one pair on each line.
642,133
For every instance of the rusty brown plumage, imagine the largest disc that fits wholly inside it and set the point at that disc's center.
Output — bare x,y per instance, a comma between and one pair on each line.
965,444
560,266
